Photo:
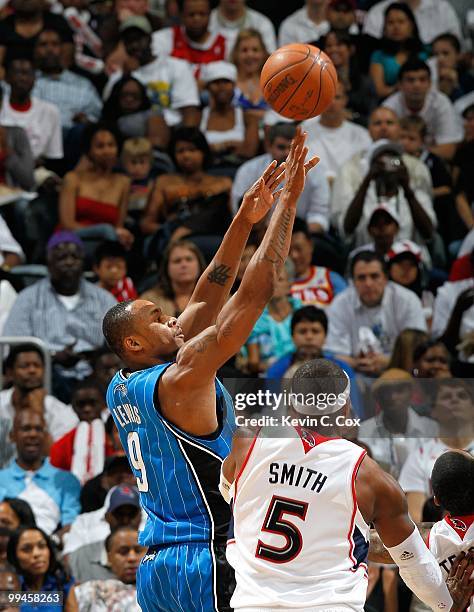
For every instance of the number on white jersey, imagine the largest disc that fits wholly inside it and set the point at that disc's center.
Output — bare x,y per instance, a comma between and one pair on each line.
135,454
274,523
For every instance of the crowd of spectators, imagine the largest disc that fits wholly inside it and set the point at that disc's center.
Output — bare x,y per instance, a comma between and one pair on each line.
129,134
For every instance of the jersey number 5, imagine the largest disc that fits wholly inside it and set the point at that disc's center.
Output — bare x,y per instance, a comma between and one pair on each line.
136,459
275,523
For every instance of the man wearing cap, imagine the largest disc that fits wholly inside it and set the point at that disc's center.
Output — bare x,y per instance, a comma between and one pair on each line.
64,310
89,561
192,40
170,83
383,124
387,186
121,507
397,428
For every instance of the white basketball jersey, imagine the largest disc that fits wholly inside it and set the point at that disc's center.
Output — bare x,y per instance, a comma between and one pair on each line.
448,538
300,541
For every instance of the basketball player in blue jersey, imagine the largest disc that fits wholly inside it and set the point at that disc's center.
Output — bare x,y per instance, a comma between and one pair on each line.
174,417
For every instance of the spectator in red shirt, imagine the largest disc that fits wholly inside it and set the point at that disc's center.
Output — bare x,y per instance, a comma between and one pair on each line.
83,449
111,268
462,268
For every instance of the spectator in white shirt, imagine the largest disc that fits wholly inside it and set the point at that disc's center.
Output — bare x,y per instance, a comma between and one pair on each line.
231,16
383,123
40,120
397,428
170,83
454,411
366,318
388,183
332,137
307,24
313,205
417,97
25,366
433,17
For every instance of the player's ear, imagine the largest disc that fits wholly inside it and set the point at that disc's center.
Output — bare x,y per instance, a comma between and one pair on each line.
132,344
435,501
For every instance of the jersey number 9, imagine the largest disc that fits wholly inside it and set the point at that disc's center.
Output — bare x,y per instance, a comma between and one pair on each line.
136,459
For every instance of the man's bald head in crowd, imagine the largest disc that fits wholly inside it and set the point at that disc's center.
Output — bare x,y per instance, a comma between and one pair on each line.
384,123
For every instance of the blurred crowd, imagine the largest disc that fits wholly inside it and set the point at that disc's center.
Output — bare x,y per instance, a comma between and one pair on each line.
130,131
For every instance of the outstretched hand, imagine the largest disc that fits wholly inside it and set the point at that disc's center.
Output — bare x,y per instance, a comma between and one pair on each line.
260,197
296,168
460,582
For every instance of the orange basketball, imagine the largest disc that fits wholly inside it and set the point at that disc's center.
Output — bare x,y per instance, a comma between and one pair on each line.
298,81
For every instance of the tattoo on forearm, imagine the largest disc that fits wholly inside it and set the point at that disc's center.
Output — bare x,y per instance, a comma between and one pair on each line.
200,345
276,247
220,275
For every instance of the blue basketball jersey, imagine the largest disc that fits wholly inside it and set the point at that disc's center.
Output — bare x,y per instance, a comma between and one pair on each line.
177,473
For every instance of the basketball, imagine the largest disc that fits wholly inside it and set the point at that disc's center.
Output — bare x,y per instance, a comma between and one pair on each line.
298,81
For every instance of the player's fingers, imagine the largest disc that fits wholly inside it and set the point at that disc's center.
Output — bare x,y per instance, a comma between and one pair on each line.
277,176
257,187
461,561
314,161
302,155
269,170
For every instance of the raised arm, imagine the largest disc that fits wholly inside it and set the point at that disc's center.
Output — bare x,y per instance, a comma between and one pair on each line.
213,288
190,381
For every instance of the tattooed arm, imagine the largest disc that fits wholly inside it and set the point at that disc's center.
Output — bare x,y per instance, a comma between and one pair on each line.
213,288
186,392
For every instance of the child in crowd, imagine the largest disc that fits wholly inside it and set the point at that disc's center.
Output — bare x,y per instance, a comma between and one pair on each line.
137,161
454,78
309,326
110,265
412,138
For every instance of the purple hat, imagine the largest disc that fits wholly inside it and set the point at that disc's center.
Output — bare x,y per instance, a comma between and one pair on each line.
123,495
64,236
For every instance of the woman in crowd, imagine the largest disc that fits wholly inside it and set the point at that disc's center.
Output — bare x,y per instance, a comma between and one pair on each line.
360,92
16,513
405,344
249,55
431,359
189,202
181,267
129,107
400,41
93,199
270,338
31,553
231,132
118,594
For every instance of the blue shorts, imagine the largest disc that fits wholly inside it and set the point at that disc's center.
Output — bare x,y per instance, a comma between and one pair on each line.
185,578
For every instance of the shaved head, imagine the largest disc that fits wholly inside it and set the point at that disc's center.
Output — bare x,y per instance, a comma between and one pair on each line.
118,323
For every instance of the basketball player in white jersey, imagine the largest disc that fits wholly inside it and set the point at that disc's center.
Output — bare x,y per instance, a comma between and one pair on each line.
302,504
